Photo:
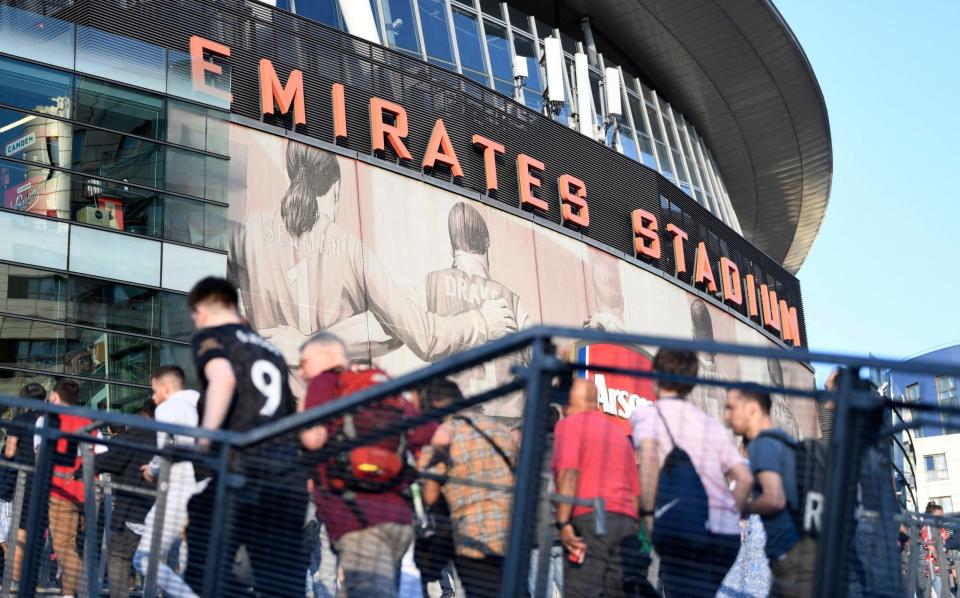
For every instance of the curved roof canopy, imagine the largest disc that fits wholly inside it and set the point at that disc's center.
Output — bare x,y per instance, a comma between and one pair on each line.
736,71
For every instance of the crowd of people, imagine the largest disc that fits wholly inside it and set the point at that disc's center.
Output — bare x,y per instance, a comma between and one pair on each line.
675,478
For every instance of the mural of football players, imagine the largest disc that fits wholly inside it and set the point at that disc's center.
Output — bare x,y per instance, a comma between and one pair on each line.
300,272
780,412
463,287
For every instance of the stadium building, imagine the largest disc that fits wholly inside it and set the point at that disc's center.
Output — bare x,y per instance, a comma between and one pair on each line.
418,176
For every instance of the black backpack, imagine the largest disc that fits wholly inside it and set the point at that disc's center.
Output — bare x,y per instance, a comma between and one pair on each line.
681,511
810,474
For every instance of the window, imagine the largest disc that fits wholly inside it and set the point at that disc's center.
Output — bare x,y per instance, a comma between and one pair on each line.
944,501
32,36
34,88
947,390
471,49
120,58
936,467
107,254
324,11
34,241
436,33
118,108
533,86
912,392
401,26
498,47
103,304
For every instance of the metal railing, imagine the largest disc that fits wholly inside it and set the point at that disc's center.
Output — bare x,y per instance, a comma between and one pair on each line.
851,509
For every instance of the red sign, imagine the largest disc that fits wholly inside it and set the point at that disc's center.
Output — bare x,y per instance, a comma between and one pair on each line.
617,394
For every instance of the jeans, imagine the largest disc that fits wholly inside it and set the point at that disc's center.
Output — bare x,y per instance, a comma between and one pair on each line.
64,519
123,543
480,578
370,559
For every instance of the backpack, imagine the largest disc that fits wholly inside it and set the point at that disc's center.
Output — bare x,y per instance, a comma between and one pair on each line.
376,467
810,474
681,511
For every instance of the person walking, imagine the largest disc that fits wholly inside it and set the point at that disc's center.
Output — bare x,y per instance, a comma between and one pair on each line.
244,385
676,439
474,447
129,508
369,524
594,459
20,450
175,405
772,457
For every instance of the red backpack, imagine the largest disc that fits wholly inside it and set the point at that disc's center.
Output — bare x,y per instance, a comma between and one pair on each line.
376,467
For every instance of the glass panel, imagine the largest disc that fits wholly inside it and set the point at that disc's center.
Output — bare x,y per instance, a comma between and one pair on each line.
34,88
184,220
491,8
120,58
519,20
121,109
36,37
543,30
324,11
468,42
655,124
193,174
503,87
99,303
646,152
401,25
116,256
597,105
82,352
436,31
115,156
198,127
498,47
35,241
681,173
627,146
664,160
215,227
524,48
180,81
175,320
184,266
118,207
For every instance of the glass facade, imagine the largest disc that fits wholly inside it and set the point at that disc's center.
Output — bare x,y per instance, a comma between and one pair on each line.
482,39
114,203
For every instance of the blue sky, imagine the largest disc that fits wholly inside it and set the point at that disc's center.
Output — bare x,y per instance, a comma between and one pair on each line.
884,273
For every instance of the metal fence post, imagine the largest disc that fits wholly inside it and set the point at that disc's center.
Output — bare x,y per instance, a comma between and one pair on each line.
527,480
913,560
218,524
833,545
107,534
39,497
90,520
156,540
10,558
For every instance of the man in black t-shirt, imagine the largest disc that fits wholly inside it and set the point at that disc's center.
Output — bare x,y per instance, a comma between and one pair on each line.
243,385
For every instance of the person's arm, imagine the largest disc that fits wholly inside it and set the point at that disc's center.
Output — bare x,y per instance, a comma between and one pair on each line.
10,449
428,463
221,384
649,464
567,486
742,480
319,391
428,335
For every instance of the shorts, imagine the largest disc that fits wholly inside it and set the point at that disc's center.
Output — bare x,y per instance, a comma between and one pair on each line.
6,515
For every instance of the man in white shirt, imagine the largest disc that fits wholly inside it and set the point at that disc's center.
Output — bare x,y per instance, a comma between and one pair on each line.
177,406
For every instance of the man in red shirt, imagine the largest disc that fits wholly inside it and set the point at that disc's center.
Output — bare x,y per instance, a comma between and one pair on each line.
66,492
593,458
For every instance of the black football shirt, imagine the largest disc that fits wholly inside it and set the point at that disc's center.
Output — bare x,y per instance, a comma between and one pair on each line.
262,393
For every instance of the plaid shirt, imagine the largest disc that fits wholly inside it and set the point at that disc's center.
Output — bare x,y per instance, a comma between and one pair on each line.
480,517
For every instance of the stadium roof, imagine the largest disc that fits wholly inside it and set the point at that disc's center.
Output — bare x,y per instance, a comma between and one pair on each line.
737,72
